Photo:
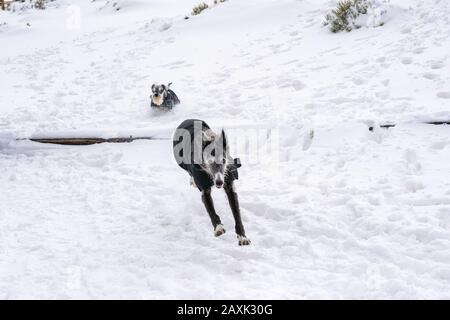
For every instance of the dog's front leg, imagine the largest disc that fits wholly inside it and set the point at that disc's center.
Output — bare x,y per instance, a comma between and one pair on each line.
215,219
234,204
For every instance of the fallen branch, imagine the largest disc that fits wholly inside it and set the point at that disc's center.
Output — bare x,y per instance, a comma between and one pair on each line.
90,141
390,125
438,122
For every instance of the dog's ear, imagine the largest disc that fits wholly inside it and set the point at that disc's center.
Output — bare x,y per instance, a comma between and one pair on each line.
153,87
165,92
168,86
208,135
223,136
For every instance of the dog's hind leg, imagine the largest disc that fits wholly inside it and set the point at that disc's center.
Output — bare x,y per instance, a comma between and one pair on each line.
215,219
234,204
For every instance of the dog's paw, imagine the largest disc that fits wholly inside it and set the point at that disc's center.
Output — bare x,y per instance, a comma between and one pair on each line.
243,241
219,230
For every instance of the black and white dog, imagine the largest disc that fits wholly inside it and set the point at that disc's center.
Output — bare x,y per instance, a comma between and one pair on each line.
205,156
163,98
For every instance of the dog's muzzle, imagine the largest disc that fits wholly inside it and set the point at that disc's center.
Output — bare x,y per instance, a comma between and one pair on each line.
157,99
218,181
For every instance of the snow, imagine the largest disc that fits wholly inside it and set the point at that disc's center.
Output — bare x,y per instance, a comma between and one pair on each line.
333,211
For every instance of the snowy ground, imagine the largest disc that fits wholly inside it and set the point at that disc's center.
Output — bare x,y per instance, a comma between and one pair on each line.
350,214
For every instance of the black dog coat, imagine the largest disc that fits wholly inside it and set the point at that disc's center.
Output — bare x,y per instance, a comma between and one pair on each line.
170,100
202,179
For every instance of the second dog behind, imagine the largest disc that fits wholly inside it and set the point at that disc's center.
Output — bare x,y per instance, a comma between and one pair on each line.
163,98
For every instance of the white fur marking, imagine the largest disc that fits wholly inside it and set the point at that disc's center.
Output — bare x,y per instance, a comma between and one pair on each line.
243,240
219,230
192,182
157,100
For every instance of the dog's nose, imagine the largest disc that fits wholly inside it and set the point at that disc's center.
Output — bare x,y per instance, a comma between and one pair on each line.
219,184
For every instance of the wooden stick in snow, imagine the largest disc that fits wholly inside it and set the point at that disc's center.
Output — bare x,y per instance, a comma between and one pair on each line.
390,125
90,141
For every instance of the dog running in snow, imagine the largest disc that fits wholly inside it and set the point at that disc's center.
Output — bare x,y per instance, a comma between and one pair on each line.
163,98
205,156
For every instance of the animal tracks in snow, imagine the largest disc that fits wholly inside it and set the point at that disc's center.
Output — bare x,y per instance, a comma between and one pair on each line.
370,204
444,94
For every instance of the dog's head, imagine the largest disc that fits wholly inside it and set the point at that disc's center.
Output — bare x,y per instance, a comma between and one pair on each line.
159,93
216,156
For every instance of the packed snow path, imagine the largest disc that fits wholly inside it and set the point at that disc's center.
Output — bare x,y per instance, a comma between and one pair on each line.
354,214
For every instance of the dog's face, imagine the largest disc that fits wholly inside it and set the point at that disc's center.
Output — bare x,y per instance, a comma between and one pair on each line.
216,156
159,93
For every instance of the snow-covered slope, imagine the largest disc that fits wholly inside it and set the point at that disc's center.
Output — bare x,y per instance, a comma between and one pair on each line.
350,214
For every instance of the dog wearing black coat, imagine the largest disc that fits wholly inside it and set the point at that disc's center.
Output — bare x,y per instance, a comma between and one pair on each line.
205,156
163,98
